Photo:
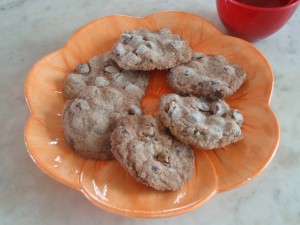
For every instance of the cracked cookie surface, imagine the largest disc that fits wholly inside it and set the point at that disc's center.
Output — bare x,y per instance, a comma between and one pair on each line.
206,75
201,122
146,149
103,71
90,118
145,50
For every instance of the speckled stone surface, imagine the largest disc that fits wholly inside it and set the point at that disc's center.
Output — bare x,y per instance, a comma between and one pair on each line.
35,28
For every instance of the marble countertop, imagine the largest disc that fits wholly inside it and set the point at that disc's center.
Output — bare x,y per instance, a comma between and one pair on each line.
28,196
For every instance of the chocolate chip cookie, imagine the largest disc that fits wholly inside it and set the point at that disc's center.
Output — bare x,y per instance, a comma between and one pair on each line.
146,149
201,122
90,118
103,71
206,75
145,50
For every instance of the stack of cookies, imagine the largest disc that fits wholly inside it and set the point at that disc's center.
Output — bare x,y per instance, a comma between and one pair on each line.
103,118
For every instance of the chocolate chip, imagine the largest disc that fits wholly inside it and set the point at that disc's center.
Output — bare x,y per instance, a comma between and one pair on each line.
217,109
163,157
164,31
124,130
119,50
203,106
149,133
195,117
218,94
177,45
110,70
237,116
216,129
154,168
197,55
126,38
150,44
237,133
101,81
116,53
141,50
83,68
78,105
173,110
187,71
98,131
214,82
131,112
134,110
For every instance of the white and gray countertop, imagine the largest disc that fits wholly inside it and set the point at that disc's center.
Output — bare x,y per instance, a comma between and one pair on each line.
27,196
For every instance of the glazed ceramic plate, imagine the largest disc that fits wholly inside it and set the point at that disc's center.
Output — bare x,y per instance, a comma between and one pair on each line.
105,183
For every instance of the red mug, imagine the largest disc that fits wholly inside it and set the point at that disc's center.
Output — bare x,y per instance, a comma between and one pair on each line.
253,20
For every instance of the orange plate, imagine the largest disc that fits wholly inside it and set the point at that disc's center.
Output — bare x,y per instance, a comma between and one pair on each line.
106,184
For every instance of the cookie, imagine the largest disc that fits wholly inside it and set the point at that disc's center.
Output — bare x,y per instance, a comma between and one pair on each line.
145,50
90,118
206,75
201,122
146,149
103,71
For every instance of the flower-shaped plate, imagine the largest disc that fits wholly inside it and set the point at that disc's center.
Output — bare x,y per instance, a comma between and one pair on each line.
105,183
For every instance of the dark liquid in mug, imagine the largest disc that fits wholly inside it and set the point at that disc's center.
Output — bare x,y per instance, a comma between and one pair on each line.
265,3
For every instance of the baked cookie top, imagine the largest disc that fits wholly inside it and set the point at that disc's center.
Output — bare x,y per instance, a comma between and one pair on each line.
206,75
146,149
90,118
146,50
201,122
103,71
